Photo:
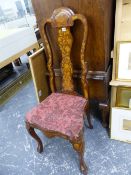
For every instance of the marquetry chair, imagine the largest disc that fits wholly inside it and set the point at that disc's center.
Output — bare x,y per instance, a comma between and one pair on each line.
62,114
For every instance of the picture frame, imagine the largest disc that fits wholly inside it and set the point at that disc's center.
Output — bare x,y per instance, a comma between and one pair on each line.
123,97
121,124
123,61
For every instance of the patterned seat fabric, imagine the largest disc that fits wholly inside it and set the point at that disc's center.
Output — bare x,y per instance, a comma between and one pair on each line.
59,112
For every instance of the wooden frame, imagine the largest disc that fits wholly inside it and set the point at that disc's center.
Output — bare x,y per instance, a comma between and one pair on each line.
122,30
62,19
121,124
120,64
37,62
123,92
122,35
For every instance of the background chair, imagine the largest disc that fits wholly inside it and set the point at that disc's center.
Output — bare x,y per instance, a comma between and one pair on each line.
62,114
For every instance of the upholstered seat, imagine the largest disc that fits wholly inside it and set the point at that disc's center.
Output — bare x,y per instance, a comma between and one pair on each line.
59,112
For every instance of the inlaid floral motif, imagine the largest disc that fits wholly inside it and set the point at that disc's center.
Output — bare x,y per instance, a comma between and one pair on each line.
65,41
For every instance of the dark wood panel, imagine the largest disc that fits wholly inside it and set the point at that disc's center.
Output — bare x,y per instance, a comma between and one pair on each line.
73,4
44,8
95,47
100,14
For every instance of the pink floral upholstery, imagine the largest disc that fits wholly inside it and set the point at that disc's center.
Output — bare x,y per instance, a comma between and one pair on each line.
59,112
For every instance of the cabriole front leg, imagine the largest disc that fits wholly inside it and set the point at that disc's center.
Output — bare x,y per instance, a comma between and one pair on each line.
79,146
32,132
88,115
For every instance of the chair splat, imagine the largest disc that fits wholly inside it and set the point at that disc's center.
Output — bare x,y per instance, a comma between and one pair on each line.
62,19
65,41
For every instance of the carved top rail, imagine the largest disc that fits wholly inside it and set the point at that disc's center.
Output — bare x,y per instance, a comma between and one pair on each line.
62,19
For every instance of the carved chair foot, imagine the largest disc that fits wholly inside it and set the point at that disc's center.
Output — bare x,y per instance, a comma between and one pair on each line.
32,132
105,125
105,118
40,148
79,146
89,125
83,168
89,122
88,116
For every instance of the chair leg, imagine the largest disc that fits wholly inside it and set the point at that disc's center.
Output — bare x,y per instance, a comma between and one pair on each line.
32,132
89,121
88,114
79,146
105,117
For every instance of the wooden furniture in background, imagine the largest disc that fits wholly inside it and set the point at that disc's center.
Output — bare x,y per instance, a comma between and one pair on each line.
62,114
15,43
100,16
6,71
38,68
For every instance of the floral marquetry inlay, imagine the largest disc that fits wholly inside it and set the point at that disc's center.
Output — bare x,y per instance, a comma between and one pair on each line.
65,41
62,20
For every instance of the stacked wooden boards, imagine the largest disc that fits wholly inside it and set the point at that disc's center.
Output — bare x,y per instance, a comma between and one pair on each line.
121,89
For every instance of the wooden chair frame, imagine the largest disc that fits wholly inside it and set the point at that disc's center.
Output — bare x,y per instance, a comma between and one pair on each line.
62,19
